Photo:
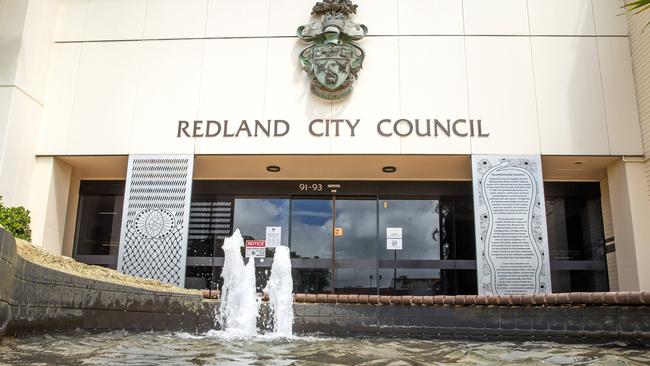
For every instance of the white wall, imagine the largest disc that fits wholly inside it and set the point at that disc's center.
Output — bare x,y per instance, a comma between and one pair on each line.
545,76
26,36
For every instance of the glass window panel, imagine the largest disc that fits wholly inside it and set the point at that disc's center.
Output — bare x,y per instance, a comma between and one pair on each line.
198,277
579,281
418,281
311,228
99,224
466,282
253,215
420,223
463,234
312,280
575,229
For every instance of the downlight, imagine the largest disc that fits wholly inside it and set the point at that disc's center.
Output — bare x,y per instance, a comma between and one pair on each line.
389,169
273,168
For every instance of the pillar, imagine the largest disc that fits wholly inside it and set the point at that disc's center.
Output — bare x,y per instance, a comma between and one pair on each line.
630,207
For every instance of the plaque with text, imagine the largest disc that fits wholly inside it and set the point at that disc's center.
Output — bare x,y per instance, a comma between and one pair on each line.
510,223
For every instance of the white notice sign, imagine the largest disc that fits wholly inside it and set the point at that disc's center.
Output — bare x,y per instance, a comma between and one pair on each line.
394,233
510,224
394,244
273,236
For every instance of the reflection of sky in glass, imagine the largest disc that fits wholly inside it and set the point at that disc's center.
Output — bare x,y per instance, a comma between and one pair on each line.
418,220
311,228
359,222
253,215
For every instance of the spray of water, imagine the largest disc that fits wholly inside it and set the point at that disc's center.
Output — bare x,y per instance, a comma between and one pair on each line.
280,290
239,302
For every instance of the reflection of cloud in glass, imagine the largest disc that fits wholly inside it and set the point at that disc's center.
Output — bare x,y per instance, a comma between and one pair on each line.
253,215
419,220
311,228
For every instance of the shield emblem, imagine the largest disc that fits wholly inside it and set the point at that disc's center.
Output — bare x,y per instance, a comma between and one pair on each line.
332,64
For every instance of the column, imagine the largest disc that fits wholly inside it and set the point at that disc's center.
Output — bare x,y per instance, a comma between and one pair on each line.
631,218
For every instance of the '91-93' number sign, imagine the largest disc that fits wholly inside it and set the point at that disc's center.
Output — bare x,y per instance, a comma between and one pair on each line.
319,187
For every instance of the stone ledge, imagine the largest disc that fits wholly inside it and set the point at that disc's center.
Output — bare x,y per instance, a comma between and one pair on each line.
638,298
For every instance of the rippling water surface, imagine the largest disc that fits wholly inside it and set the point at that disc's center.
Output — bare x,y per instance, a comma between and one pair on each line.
218,348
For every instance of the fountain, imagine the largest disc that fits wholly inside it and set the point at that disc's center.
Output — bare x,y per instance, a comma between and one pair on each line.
280,290
239,302
239,307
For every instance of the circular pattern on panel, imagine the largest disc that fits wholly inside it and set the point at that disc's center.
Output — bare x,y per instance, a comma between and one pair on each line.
154,223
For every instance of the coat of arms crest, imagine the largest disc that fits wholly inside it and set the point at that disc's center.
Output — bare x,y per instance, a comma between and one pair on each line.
333,60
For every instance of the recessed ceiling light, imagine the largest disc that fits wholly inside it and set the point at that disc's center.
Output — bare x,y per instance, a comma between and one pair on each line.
389,169
273,168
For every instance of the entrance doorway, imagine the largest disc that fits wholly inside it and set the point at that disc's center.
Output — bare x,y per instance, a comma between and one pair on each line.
347,237
336,233
340,232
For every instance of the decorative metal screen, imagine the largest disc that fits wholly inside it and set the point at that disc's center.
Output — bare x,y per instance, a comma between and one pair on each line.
153,242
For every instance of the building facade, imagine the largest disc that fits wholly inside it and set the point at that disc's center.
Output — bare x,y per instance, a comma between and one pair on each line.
131,126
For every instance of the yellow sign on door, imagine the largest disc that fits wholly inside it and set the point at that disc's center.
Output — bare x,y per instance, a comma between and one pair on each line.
338,231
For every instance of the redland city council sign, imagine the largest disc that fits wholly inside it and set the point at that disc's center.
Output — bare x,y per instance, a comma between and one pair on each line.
333,127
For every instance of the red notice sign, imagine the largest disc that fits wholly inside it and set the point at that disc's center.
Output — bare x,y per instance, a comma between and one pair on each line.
255,243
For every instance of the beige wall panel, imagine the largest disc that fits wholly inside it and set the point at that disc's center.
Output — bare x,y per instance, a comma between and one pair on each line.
376,96
232,96
71,20
6,97
561,17
429,17
125,19
380,16
18,150
433,87
171,18
501,94
115,19
168,90
104,98
11,31
497,17
225,18
285,16
59,99
608,17
36,44
620,96
569,96
288,98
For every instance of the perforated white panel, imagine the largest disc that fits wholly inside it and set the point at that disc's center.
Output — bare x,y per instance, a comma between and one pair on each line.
153,242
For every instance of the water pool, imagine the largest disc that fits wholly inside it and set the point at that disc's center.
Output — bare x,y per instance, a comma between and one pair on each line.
218,348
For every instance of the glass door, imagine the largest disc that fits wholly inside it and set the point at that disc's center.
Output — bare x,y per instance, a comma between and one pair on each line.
355,245
311,230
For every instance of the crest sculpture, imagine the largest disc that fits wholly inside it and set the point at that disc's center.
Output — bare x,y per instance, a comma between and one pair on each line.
333,59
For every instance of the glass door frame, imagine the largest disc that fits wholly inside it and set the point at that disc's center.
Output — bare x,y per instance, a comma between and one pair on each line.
368,197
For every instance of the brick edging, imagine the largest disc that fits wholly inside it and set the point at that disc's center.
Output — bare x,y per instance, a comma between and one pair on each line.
569,298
